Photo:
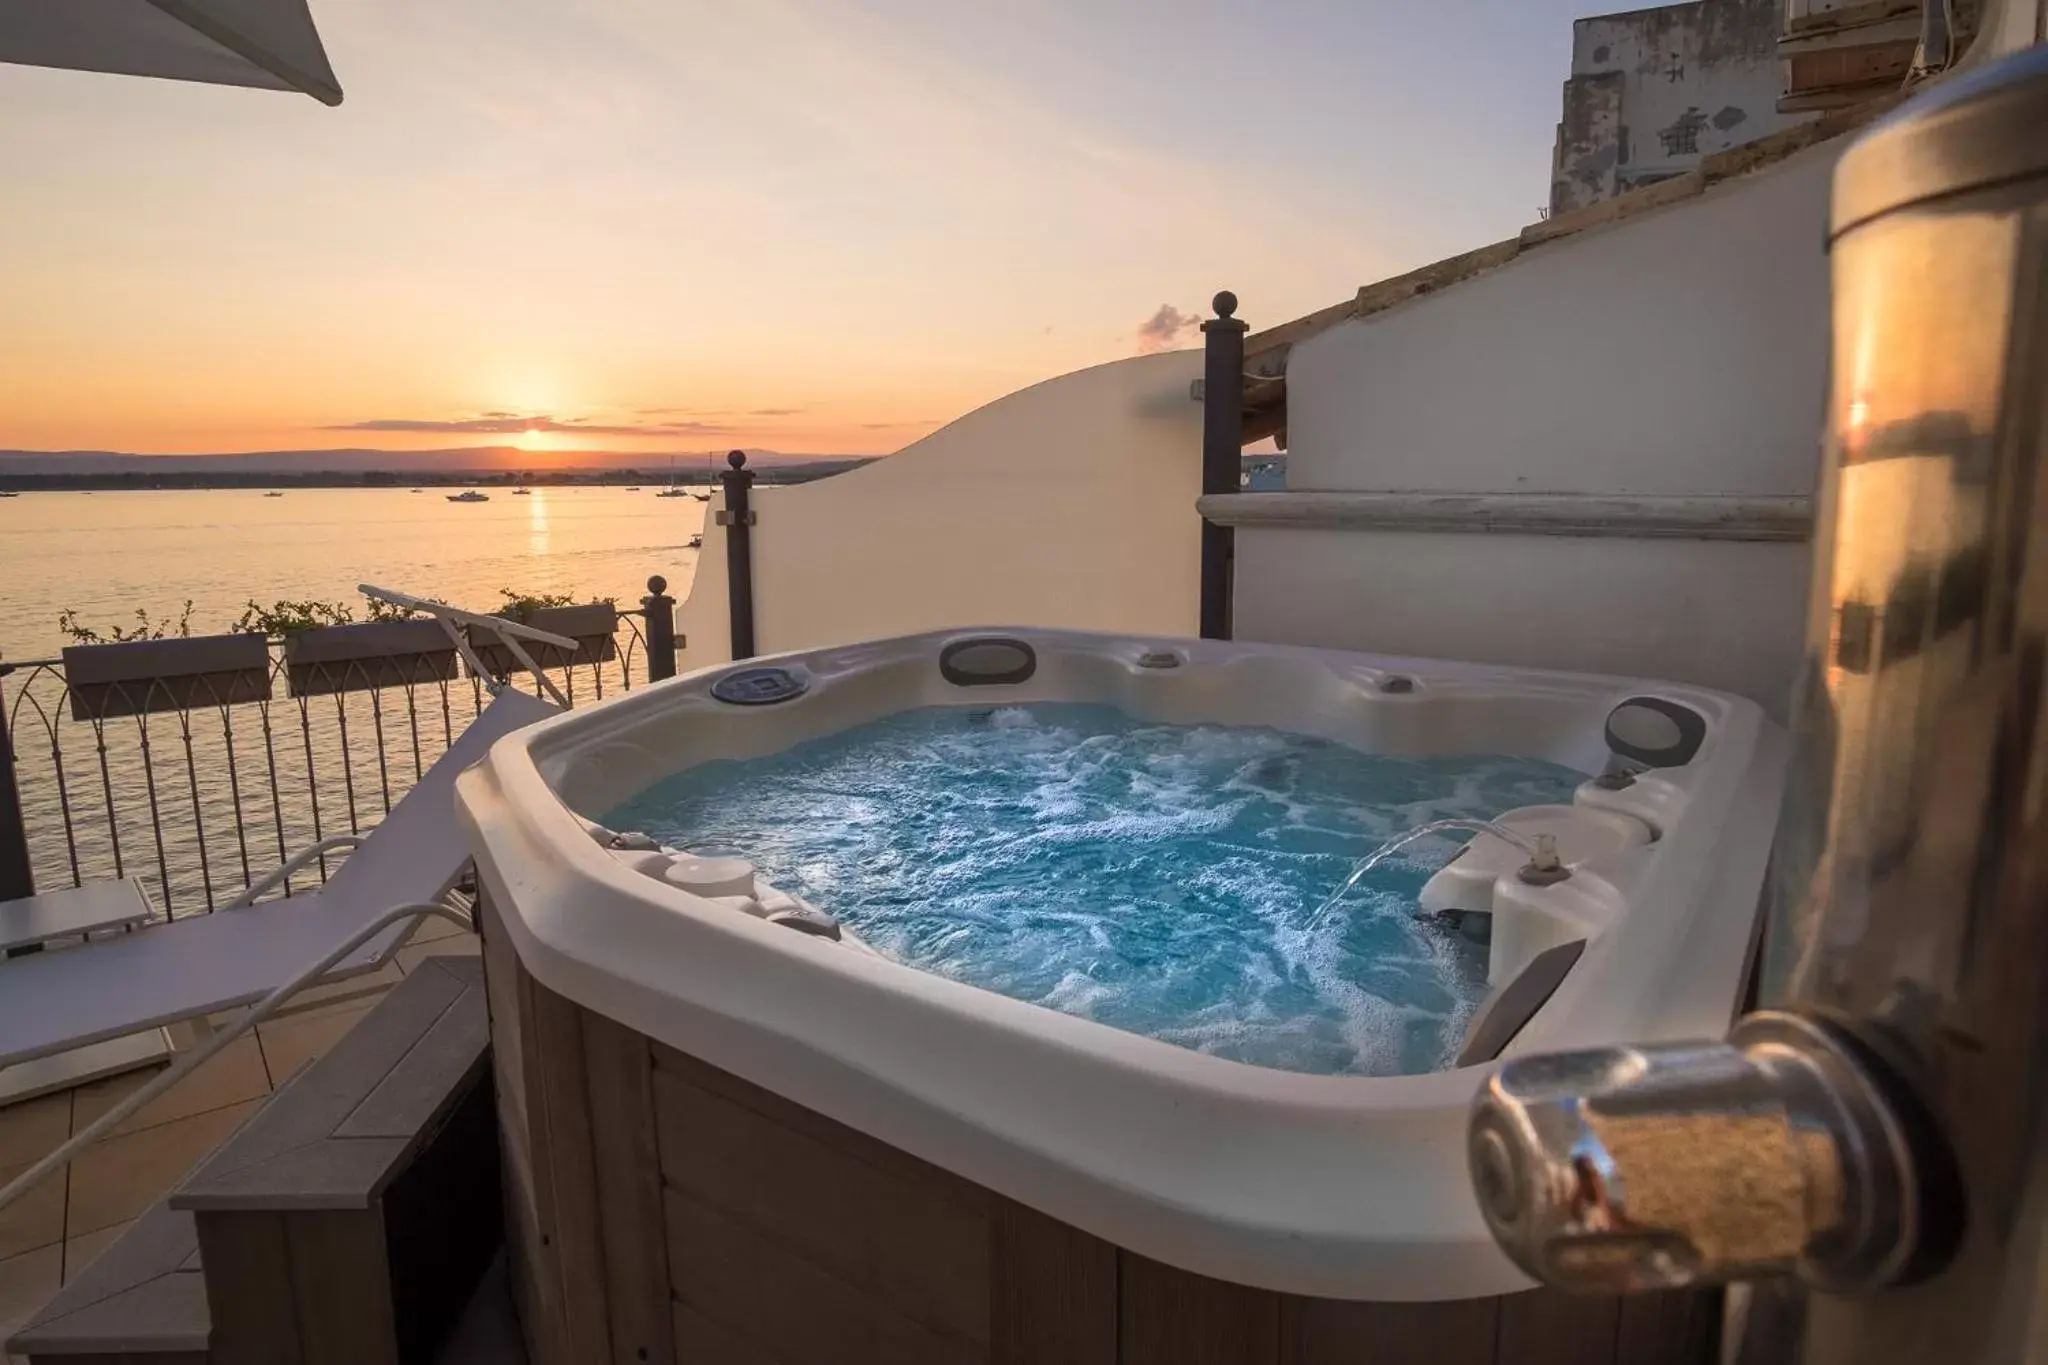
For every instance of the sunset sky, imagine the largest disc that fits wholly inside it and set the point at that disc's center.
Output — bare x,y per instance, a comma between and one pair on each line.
666,225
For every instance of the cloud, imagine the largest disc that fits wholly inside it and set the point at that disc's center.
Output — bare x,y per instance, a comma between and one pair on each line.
512,424
714,412
1164,327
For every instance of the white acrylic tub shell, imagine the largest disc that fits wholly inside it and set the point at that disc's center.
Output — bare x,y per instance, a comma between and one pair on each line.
1350,1187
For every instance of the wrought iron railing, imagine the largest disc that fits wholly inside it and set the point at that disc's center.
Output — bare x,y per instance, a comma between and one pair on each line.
202,783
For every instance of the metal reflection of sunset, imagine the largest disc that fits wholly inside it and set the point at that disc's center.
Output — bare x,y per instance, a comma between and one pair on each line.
677,227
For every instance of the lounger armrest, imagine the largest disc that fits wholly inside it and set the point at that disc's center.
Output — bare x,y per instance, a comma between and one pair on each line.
290,865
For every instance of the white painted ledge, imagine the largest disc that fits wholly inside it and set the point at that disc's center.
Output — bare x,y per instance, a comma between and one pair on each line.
1537,514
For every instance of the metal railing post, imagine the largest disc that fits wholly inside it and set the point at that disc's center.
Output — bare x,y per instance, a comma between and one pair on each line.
738,520
17,875
658,610
1222,454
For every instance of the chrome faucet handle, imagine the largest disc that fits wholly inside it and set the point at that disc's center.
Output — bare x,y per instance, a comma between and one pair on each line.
1632,1168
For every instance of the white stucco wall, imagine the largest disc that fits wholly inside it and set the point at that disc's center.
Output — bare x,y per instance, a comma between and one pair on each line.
1717,613
1684,351
1070,503
1680,353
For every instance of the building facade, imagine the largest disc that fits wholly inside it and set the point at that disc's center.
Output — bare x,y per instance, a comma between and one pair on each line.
1654,90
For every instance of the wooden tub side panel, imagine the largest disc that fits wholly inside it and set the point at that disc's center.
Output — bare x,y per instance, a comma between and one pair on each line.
679,1215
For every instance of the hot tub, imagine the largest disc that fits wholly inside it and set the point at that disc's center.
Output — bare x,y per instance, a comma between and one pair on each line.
1254,1179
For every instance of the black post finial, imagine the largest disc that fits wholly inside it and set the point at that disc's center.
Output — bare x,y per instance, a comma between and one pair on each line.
1225,304
656,584
737,459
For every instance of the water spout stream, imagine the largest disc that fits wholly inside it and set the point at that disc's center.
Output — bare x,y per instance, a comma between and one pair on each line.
1380,854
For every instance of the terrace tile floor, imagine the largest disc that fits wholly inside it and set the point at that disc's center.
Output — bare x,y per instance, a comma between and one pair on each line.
75,1214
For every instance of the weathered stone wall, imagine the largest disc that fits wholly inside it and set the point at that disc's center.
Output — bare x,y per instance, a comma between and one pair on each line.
1652,91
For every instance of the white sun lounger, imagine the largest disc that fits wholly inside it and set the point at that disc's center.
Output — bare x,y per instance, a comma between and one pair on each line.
53,1002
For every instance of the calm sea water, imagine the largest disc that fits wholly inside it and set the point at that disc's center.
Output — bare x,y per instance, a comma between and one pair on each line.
105,554
1156,878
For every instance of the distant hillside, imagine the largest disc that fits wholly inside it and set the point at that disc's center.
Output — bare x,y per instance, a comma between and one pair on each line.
469,459
32,469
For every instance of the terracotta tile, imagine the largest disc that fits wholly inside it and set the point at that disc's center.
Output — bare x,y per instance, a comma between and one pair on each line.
116,1180
235,1075
79,1251
466,946
288,1044
34,1220
32,1128
26,1283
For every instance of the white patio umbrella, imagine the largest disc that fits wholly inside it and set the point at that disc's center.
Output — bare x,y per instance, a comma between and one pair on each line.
268,44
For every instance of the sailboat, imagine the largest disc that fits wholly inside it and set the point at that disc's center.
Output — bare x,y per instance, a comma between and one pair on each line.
672,491
471,496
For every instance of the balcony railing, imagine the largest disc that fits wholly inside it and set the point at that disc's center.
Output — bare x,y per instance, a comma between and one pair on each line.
198,765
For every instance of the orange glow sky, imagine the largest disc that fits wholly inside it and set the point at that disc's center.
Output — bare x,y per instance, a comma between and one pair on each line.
665,225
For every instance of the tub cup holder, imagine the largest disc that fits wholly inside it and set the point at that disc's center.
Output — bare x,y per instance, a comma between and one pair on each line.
711,877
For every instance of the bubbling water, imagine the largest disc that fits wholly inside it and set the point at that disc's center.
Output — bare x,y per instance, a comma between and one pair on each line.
1149,877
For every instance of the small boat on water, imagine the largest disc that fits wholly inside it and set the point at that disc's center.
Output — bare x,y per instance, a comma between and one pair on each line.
471,496
273,494
419,490
701,497
672,491
522,492
5,494
694,543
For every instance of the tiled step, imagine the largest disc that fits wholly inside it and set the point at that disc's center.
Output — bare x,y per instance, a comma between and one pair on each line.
143,1298
349,1219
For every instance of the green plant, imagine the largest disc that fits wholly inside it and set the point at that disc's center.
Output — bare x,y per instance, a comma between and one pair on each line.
145,627
521,607
381,610
288,617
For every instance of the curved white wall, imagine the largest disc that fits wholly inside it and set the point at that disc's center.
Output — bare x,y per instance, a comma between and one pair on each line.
1070,503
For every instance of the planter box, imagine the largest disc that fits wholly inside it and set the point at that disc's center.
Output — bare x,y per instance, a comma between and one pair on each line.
144,676
593,627
362,658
